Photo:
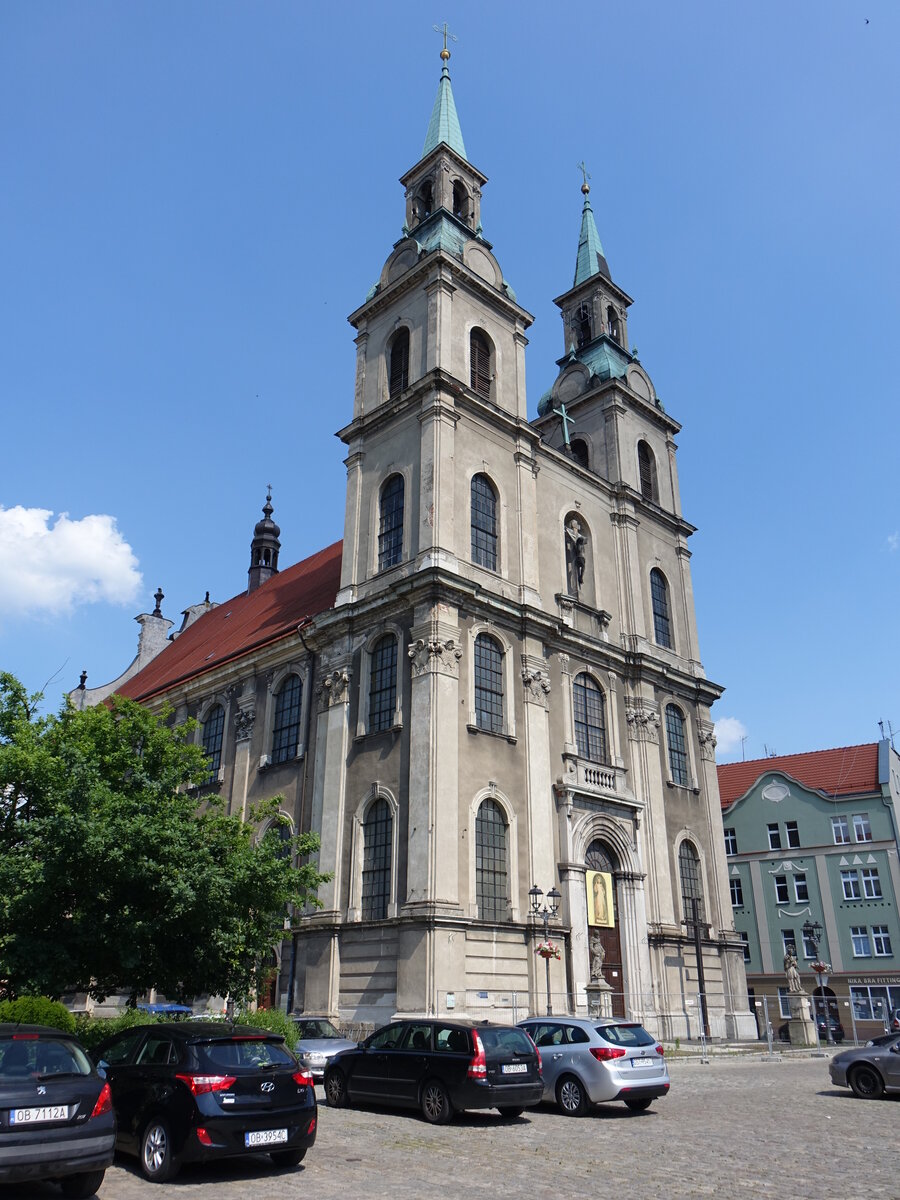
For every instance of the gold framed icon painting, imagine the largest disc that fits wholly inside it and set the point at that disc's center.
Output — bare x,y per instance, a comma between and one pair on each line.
600,899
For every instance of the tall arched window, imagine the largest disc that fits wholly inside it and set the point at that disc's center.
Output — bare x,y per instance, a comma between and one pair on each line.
480,364
488,684
383,684
583,324
689,870
659,598
286,726
376,873
398,371
213,735
390,523
579,449
491,862
647,471
484,523
590,719
425,200
612,323
677,746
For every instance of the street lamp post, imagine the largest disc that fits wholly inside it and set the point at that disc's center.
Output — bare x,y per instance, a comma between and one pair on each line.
813,931
545,911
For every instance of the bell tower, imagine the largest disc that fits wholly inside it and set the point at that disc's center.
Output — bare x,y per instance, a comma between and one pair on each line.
264,547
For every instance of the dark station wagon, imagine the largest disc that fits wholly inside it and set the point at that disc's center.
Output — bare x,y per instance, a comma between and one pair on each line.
441,1067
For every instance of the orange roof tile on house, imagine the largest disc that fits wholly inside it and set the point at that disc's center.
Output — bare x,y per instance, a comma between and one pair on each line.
244,623
845,771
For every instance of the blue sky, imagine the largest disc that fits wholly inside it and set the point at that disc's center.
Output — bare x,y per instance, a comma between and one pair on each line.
197,193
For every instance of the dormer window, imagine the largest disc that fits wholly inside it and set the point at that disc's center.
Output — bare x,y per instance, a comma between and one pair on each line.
460,201
583,324
612,324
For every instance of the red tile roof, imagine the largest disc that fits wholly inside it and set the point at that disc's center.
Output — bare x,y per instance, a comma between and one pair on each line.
244,623
840,772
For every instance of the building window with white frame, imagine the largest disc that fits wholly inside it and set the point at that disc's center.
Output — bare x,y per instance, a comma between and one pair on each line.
676,744
862,830
784,1002
881,941
840,831
731,846
788,941
491,862
850,885
376,873
737,892
859,936
590,719
801,889
745,944
871,883
213,737
774,836
792,834
781,889
810,949
383,684
286,725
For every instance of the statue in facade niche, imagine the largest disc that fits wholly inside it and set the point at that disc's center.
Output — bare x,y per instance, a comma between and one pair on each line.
576,556
792,972
598,954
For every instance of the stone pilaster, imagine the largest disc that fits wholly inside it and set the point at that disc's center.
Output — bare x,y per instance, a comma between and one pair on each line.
539,783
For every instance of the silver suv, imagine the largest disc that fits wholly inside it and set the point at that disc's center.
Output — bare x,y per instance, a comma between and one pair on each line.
588,1061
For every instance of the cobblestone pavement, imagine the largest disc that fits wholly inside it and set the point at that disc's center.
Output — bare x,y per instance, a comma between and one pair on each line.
742,1128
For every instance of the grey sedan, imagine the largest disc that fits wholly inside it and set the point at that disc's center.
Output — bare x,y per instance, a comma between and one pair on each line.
869,1071
585,1062
319,1043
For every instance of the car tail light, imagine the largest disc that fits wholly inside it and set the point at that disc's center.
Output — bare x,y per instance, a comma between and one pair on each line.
203,1137
311,1127
660,1049
478,1063
200,1084
605,1053
303,1079
104,1102
24,1037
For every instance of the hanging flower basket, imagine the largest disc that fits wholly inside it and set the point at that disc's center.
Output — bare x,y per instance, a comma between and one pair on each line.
821,968
547,950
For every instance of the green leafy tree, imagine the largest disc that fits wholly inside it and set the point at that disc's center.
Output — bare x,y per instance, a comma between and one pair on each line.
115,874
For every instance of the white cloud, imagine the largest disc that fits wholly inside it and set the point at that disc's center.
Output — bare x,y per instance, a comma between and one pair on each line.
729,732
893,542
50,568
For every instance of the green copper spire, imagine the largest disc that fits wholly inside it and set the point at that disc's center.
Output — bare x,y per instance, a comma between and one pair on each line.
591,259
444,123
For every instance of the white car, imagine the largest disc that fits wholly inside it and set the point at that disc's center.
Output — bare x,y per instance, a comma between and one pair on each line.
318,1044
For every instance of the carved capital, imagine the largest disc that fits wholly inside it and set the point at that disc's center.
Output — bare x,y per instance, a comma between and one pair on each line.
243,723
537,682
707,739
643,723
435,656
334,688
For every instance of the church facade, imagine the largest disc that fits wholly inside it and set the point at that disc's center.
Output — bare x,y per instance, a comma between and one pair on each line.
492,687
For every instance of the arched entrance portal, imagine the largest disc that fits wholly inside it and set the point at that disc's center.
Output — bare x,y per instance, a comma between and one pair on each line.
603,919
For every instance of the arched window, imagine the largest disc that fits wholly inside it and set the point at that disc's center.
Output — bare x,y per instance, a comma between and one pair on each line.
580,452
590,720
612,323
286,726
390,523
484,523
383,684
491,862
460,201
677,746
213,734
424,201
398,371
480,364
376,873
488,684
647,471
689,870
583,324
659,598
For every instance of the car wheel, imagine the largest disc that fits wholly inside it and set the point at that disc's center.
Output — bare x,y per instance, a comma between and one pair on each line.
156,1158
570,1096
640,1105
510,1111
335,1089
866,1083
287,1158
436,1106
79,1187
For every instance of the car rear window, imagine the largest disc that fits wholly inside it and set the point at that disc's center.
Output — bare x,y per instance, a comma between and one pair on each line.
317,1029
246,1053
625,1035
41,1057
505,1041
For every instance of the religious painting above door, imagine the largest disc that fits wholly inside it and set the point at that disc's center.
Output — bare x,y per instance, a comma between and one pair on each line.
600,899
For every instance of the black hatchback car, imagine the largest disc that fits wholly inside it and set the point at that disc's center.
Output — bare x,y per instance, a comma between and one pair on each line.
195,1091
56,1114
439,1066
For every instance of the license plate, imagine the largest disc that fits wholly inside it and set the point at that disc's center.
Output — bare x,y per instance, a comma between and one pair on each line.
643,1062
514,1069
265,1137
49,1112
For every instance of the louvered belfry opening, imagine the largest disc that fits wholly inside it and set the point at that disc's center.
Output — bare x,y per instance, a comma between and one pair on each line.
480,355
399,364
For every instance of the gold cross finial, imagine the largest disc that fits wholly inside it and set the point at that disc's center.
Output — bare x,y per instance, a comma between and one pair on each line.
585,187
445,31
